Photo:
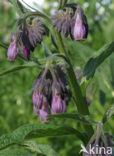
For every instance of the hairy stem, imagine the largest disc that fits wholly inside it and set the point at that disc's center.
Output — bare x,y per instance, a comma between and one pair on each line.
36,14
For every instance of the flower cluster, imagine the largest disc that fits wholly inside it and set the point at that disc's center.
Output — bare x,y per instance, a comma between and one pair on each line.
71,23
27,36
51,93
62,21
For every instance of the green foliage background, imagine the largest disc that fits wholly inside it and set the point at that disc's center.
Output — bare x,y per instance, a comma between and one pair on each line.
16,107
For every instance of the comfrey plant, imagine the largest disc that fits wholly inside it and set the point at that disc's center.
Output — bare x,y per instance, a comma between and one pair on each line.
58,84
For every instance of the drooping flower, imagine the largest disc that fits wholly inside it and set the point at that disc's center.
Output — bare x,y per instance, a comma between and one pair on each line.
13,48
44,111
28,36
71,21
43,115
26,52
80,28
42,95
51,93
60,92
58,104
61,20
37,101
36,31
40,106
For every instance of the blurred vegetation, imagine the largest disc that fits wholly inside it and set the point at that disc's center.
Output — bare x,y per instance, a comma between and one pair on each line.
16,107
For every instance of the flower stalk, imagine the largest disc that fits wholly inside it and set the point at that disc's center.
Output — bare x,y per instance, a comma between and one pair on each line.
36,14
81,103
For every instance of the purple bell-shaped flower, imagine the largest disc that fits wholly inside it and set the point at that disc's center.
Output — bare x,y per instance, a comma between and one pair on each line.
80,29
58,104
26,52
13,48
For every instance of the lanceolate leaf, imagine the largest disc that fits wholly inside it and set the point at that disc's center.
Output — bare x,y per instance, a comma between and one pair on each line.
40,148
76,116
3,45
93,63
15,152
30,131
108,114
13,69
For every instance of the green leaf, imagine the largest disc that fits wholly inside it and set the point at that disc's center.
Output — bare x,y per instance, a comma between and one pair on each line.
4,124
30,131
40,148
15,152
102,97
13,69
94,63
78,52
20,6
76,116
108,114
3,45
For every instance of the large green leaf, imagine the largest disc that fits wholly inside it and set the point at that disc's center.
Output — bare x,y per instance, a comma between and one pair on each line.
94,63
15,152
109,113
40,148
13,69
30,131
76,116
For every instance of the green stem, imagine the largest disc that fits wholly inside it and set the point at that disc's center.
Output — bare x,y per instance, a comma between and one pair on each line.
80,100
36,14
62,3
